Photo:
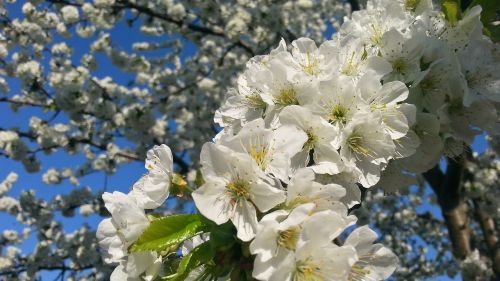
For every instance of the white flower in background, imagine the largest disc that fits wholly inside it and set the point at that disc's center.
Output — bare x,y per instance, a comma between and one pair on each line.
271,150
103,3
463,122
153,188
439,79
430,149
481,71
467,30
8,182
70,14
234,186
28,71
394,179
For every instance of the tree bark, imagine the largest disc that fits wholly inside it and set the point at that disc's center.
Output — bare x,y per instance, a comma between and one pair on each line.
453,207
490,235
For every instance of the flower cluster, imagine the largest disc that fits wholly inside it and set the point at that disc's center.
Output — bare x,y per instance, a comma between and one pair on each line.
105,98
398,86
128,218
394,90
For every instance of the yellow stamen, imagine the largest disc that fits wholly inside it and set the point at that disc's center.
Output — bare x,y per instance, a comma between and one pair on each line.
355,142
377,34
306,271
311,67
238,189
312,139
254,101
399,65
287,96
288,238
350,67
338,113
259,154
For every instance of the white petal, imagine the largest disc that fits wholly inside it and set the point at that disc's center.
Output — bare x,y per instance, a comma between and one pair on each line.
245,220
110,242
361,238
266,197
211,201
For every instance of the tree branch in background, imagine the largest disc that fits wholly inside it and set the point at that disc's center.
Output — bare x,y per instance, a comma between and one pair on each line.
490,234
183,166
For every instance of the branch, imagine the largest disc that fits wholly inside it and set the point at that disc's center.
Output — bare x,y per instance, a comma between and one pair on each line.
184,167
453,207
18,102
490,235
125,4
193,27
21,268
434,177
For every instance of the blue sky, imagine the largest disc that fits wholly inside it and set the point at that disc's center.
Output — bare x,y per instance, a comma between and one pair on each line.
123,178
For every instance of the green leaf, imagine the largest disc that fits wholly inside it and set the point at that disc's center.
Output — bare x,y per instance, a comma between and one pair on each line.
490,9
451,10
223,236
202,254
165,234
489,15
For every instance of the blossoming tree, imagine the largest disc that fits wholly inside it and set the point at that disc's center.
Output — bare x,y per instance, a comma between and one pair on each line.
307,134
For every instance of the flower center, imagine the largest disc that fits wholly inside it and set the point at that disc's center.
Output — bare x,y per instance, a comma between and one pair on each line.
338,113
356,144
350,67
259,154
311,67
358,271
429,84
312,139
307,271
287,96
254,101
399,65
288,238
238,189
297,201
377,34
